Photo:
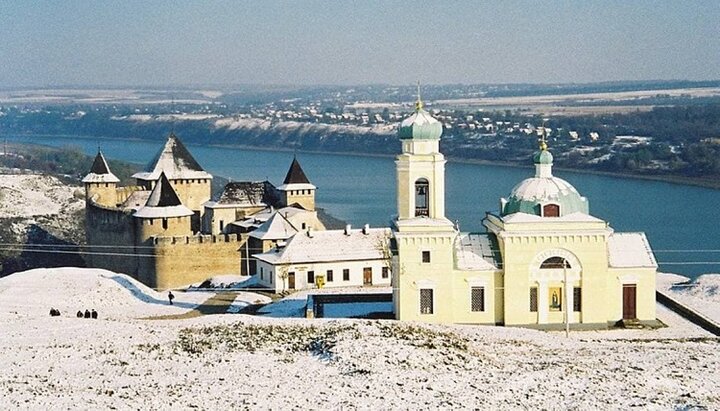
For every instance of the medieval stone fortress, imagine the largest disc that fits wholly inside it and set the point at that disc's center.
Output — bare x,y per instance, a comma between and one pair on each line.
543,261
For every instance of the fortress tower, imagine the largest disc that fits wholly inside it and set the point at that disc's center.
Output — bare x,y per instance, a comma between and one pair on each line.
296,188
191,183
100,183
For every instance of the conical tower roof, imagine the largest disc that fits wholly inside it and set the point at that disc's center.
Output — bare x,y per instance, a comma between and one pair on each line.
295,178
175,161
295,174
163,202
100,171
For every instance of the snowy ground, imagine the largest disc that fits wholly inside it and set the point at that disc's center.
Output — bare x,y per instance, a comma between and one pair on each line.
702,294
238,361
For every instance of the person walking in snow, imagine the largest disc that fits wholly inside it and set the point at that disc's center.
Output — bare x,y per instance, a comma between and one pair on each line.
171,297
87,314
93,314
79,314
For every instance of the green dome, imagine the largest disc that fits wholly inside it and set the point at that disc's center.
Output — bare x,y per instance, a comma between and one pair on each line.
420,126
533,193
543,157
544,195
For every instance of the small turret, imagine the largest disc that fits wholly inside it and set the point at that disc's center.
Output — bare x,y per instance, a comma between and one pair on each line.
100,183
163,214
297,189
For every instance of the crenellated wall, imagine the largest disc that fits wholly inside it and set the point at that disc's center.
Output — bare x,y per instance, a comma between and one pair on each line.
183,260
110,235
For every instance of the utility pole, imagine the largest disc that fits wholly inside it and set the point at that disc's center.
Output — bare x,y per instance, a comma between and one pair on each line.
567,300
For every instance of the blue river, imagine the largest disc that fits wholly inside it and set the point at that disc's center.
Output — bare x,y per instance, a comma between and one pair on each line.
681,222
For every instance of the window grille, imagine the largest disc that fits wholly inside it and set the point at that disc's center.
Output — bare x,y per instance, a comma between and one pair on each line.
477,299
426,301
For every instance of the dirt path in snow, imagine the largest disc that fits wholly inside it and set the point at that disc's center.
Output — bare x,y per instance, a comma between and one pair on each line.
217,304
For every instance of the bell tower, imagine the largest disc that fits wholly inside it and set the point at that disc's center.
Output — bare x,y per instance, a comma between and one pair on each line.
424,238
420,167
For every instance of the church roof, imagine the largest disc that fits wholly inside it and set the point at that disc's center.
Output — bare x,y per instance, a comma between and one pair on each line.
175,161
163,202
100,171
295,174
477,252
630,250
330,245
531,194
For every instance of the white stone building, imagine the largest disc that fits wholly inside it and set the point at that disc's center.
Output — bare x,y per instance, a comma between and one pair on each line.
336,258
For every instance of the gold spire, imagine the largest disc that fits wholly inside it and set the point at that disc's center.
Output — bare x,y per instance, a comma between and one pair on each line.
543,138
418,103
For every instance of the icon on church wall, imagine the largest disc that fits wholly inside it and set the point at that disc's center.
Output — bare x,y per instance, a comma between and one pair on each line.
555,298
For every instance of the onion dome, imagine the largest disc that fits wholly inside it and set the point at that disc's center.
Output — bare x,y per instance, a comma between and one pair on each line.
544,195
420,125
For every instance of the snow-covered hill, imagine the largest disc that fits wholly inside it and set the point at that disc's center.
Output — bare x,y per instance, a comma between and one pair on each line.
237,361
38,209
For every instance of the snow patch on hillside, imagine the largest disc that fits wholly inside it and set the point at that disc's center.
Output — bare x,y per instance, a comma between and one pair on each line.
115,296
702,294
30,195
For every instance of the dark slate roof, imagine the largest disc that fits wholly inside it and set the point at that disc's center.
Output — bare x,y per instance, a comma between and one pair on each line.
296,175
163,195
249,193
99,166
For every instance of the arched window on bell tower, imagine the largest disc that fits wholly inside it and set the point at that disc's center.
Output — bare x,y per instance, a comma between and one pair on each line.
422,198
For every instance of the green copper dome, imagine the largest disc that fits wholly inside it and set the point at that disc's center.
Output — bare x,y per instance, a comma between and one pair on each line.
544,195
420,126
543,157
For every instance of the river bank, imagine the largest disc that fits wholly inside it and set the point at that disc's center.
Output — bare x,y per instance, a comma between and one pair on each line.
705,182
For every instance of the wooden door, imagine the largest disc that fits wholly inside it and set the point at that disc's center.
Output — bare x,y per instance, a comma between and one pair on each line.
629,302
367,275
291,281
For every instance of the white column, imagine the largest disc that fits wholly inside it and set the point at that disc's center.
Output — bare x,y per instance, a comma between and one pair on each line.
543,305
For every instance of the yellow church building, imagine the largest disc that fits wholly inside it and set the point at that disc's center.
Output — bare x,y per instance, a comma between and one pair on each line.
543,259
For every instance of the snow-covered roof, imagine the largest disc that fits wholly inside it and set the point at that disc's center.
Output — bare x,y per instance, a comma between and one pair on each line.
163,202
627,250
175,161
245,194
419,118
276,227
286,187
100,172
137,199
476,252
576,217
331,245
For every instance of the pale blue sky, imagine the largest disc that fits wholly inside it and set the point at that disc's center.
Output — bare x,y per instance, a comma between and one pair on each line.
342,42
